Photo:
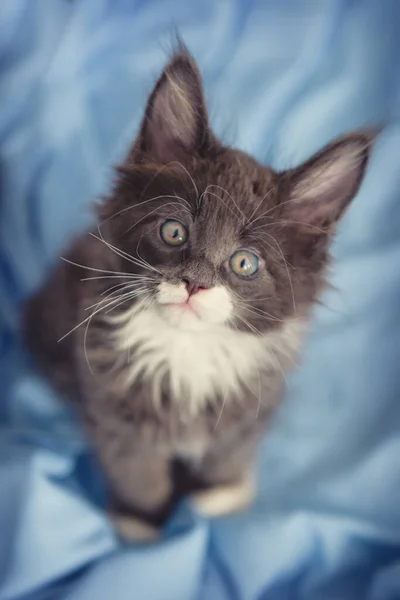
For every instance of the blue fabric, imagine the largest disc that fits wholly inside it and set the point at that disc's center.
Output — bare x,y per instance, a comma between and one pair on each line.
282,78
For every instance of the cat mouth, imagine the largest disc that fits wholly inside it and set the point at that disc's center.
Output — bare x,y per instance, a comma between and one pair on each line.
183,316
185,308
187,305
205,308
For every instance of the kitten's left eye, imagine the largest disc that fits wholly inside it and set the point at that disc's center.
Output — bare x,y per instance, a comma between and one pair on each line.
173,233
244,263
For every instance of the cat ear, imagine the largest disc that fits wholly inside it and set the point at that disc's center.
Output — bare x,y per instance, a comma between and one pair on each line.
318,192
175,124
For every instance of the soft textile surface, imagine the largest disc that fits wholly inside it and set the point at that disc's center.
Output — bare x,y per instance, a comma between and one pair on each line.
282,77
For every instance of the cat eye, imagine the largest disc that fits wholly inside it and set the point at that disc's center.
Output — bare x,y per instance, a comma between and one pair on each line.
244,263
173,233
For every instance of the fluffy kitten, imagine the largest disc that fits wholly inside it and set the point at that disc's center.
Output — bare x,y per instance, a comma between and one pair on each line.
191,294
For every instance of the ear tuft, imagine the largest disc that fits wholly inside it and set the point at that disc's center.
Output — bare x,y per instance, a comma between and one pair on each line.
175,123
320,190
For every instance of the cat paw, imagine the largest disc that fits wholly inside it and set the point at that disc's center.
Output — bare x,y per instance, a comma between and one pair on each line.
132,529
225,499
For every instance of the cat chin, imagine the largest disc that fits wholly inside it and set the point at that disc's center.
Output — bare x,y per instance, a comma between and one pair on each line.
183,317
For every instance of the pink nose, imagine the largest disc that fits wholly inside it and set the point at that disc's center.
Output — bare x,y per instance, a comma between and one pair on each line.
193,287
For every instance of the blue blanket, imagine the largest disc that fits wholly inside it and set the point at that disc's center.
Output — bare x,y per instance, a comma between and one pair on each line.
282,78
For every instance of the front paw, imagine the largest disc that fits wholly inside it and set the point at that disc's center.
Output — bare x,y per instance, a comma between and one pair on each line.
134,529
225,499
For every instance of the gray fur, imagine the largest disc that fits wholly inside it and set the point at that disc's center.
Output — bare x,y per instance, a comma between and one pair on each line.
152,454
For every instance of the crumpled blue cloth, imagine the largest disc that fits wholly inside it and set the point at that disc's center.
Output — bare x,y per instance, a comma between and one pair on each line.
282,78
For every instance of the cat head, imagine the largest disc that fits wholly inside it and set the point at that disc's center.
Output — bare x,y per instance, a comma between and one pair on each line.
208,235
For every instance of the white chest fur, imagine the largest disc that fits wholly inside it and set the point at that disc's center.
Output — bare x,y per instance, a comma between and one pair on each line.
199,365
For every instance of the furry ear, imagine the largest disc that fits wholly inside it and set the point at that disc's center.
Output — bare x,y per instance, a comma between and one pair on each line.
175,124
318,192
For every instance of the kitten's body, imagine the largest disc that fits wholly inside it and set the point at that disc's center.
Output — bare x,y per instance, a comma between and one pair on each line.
175,379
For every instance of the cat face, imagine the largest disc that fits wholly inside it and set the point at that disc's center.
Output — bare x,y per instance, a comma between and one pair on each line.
201,232
208,236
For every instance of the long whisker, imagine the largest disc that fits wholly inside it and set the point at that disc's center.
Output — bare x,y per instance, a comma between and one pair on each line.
123,254
145,263
221,411
152,212
258,312
291,221
250,219
232,199
121,286
219,198
251,223
268,247
127,296
257,397
256,332
84,341
190,177
115,300
249,326
270,209
244,303
160,170
287,271
117,294
134,277
286,263
85,320
139,204
256,299
75,264
280,368
118,251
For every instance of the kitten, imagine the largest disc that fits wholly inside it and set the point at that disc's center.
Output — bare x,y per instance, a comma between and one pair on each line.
191,294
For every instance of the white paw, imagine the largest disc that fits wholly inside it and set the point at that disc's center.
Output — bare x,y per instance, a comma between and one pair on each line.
132,529
225,499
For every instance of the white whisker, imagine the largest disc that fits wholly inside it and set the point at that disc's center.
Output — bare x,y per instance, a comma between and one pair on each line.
219,198
220,413
123,254
67,260
121,286
85,320
259,313
251,327
250,219
286,263
152,212
129,277
125,297
280,368
139,204
287,271
190,177
115,294
232,199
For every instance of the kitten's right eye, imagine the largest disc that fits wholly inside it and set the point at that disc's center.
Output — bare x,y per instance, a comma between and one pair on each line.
173,233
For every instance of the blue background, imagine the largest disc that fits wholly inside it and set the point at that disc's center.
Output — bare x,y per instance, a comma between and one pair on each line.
282,78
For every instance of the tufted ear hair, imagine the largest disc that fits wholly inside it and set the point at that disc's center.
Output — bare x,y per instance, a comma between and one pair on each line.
318,191
175,124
